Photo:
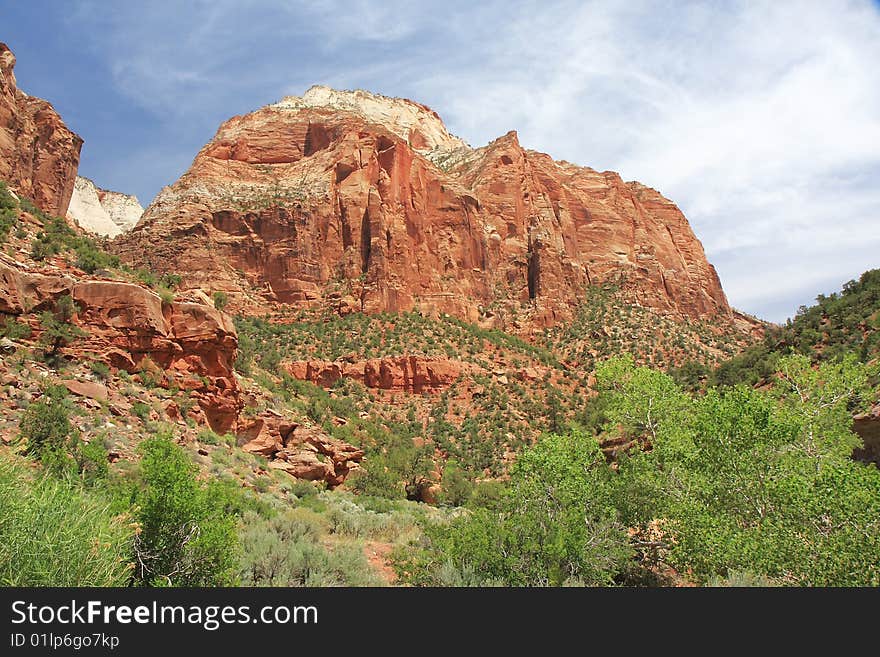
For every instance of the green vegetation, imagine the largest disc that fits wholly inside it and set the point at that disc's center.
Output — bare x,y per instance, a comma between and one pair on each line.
8,211
382,335
841,323
478,438
51,437
607,324
186,537
220,300
54,533
517,473
58,329
286,550
57,237
100,370
731,482
15,330
554,526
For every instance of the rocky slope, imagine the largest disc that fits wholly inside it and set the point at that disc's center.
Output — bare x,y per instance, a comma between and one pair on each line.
130,354
101,211
39,155
366,203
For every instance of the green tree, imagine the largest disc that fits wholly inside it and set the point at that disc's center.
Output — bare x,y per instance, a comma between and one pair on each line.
555,410
457,486
646,403
187,537
552,526
751,481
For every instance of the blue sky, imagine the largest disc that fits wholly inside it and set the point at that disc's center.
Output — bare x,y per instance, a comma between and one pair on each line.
760,119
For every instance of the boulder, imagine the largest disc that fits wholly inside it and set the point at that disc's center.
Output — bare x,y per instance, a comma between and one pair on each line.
304,452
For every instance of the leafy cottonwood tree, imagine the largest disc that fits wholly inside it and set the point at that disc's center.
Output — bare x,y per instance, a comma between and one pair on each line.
753,481
553,524
740,482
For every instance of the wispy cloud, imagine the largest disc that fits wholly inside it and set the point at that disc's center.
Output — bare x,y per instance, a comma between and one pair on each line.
760,119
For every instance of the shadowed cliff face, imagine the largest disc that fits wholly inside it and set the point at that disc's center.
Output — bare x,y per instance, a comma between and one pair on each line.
367,203
39,155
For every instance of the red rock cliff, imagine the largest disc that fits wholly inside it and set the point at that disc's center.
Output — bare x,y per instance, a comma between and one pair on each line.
126,323
39,155
368,203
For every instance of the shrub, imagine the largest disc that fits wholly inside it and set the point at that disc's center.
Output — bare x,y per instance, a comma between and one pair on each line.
375,477
52,438
187,537
170,281
100,370
303,488
8,211
58,327
141,410
457,487
146,277
287,551
57,237
45,424
220,300
90,258
15,330
208,437
740,579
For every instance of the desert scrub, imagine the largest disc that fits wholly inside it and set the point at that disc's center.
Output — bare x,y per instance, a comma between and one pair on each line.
347,518
14,330
287,551
8,211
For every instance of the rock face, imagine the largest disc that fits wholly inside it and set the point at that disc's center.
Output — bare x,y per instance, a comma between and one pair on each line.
127,323
367,203
412,374
102,212
303,452
39,155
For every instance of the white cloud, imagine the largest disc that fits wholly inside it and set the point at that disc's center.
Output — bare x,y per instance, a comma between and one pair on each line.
760,119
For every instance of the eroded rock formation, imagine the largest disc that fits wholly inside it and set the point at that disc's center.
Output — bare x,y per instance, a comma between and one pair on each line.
39,155
101,211
301,451
127,323
363,202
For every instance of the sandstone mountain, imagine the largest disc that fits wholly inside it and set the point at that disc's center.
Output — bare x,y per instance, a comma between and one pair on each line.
366,203
101,211
39,155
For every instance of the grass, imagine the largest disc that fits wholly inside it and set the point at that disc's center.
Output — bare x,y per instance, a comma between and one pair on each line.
53,533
